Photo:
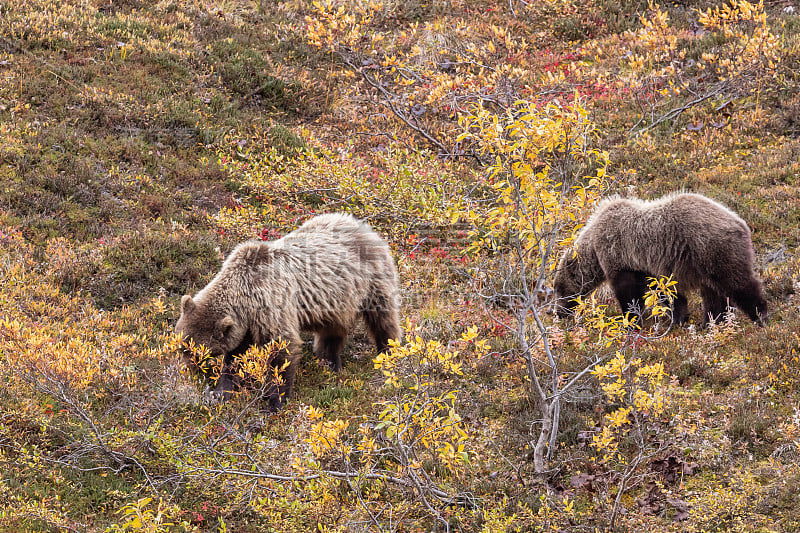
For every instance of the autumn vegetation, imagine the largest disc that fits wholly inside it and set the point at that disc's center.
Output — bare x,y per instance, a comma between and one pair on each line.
141,141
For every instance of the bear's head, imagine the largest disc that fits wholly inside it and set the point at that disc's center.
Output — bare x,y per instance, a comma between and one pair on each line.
576,275
207,325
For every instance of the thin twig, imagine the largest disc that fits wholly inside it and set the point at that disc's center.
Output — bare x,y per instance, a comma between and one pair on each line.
677,112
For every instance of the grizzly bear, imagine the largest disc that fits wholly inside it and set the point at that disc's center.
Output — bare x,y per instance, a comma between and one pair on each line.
702,243
319,278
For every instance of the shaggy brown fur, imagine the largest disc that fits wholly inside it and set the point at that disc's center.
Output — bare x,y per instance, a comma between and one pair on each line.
705,245
318,278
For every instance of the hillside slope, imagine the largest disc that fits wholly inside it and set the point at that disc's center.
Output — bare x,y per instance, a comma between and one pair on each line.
142,141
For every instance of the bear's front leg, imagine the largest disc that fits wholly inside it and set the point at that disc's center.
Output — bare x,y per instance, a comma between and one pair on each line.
714,305
749,297
629,287
278,393
328,345
228,381
680,309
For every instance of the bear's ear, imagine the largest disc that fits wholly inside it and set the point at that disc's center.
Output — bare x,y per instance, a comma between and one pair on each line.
187,304
224,326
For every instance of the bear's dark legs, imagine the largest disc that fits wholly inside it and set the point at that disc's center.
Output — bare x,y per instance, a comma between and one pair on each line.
750,298
630,287
680,309
279,394
382,321
327,347
382,330
228,381
714,304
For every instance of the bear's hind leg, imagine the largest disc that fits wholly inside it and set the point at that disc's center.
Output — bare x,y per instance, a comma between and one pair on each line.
328,345
629,287
750,299
382,321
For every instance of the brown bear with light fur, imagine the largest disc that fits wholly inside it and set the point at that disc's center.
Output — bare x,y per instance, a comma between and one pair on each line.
703,244
319,278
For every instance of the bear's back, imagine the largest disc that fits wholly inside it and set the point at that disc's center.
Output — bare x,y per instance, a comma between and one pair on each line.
680,213
697,219
682,233
329,239
342,234
332,223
